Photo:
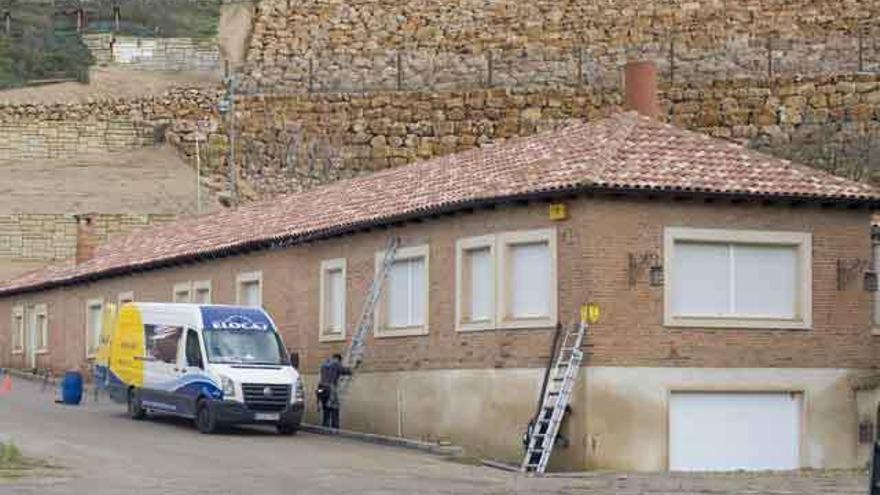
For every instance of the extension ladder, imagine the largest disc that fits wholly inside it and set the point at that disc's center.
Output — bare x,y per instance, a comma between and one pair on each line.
556,397
355,353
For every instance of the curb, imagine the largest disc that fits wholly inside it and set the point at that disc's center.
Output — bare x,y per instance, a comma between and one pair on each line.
432,448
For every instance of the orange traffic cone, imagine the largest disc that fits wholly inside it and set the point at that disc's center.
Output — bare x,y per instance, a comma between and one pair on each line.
7,384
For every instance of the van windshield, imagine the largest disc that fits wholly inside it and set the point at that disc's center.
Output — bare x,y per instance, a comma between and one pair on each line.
244,347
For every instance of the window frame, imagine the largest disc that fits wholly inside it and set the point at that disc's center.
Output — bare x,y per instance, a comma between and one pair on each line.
17,312
180,288
801,241
505,240
202,285
328,266
248,277
42,331
461,302
380,325
92,303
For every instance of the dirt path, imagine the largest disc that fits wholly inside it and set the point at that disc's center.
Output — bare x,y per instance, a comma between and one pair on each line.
109,82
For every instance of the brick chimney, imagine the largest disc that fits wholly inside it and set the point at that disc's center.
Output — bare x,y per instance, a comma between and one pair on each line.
86,239
640,88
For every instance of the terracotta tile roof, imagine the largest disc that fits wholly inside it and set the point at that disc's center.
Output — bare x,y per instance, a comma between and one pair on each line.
624,152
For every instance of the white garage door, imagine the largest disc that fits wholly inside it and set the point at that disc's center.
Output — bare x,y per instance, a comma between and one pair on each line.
731,431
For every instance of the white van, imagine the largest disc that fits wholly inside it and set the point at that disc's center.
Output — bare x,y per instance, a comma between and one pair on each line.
219,365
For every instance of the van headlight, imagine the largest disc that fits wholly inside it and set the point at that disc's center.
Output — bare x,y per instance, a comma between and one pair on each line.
228,387
299,393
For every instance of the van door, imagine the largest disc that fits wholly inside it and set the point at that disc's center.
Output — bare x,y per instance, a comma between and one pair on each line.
161,343
192,368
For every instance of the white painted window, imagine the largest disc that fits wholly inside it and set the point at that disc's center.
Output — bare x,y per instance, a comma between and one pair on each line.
94,322
124,297
719,278
201,292
17,329
332,303
527,279
405,303
506,280
41,320
475,283
249,289
182,292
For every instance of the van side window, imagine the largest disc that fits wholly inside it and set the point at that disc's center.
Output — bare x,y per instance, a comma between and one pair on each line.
193,350
162,342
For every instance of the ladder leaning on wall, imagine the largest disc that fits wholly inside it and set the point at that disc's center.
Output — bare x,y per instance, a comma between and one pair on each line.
557,395
355,353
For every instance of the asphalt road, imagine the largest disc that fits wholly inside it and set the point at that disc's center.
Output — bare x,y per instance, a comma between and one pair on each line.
100,451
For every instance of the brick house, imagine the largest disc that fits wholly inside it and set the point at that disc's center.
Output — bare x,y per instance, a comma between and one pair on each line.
736,329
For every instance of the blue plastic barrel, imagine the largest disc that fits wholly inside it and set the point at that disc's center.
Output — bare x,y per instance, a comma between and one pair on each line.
72,388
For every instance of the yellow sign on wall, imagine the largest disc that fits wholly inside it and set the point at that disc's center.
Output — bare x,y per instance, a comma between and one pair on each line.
558,211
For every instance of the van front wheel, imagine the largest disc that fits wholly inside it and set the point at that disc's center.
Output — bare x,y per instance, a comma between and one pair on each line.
286,428
205,420
135,408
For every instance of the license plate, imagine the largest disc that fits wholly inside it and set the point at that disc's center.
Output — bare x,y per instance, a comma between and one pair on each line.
267,416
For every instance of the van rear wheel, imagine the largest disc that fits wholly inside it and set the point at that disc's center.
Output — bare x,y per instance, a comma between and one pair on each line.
205,420
135,407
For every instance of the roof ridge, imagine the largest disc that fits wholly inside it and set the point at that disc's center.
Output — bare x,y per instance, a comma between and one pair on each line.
625,151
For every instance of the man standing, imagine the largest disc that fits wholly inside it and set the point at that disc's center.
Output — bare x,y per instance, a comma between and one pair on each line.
331,370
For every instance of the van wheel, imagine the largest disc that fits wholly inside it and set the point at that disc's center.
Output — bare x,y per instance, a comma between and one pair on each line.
286,428
205,420
135,408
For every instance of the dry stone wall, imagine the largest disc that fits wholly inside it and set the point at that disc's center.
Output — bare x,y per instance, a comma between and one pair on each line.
822,120
343,45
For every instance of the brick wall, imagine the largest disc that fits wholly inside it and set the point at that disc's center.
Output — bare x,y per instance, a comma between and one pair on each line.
154,54
593,248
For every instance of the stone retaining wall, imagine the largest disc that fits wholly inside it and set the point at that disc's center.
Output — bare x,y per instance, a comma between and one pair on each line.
29,240
829,121
154,54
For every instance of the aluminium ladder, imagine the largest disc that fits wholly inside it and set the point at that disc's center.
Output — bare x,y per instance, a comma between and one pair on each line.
355,353
556,398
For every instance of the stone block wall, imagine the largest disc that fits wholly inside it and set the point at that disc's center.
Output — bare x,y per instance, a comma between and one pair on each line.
342,45
154,54
68,138
30,240
815,120
40,131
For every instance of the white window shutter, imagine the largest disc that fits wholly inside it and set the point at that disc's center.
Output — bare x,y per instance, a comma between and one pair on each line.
765,281
481,284
530,280
701,279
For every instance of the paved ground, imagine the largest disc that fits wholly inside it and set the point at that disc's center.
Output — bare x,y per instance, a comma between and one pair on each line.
102,452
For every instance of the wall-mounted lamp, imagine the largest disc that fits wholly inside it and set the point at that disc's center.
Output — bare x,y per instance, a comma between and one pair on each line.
848,270
655,276
639,262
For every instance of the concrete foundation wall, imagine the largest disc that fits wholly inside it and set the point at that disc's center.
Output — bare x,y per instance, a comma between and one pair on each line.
156,54
619,418
627,412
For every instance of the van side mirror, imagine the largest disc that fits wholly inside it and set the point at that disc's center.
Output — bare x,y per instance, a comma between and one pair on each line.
294,359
